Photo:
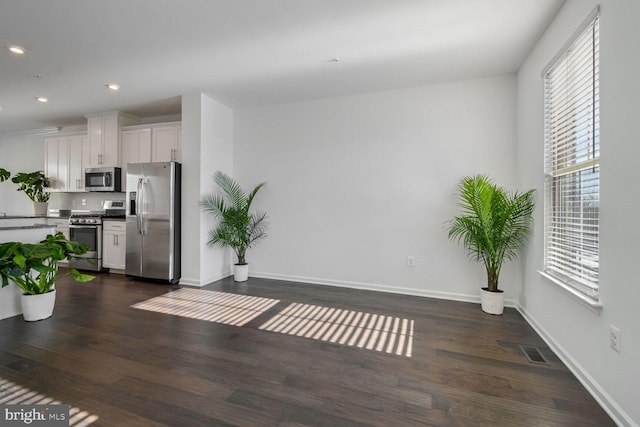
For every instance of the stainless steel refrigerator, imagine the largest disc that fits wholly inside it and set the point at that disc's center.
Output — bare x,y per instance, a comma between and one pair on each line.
153,220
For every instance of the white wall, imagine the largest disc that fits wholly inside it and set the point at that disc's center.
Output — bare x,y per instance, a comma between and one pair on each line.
207,139
20,153
191,229
356,184
578,333
216,154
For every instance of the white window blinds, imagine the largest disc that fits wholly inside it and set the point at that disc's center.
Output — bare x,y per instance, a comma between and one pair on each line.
572,171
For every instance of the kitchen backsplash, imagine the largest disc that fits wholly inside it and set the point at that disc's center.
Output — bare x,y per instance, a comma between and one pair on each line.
89,201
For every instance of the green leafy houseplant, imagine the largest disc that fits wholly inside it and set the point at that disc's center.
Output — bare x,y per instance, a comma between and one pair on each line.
494,224
238,228
33,267
33,184
4,174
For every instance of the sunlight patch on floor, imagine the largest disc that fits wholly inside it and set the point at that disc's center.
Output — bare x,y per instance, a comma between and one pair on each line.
14,394
212,306
376,332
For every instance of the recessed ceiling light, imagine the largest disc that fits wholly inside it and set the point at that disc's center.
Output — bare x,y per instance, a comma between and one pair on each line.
113,86
42,99
16,49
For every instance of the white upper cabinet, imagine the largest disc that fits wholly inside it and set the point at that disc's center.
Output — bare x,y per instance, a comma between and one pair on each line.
78,158
111,141
159,142
136,147
167,143
104,137
56,163
65,160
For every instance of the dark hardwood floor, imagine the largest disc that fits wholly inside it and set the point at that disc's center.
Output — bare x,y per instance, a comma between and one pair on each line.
134,367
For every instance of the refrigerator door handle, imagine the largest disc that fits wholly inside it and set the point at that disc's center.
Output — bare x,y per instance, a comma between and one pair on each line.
139,199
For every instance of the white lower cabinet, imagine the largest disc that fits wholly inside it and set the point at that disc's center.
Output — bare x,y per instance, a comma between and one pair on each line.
114,244
61,224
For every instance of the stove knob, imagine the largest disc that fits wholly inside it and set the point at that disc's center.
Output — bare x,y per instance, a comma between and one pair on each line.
92,221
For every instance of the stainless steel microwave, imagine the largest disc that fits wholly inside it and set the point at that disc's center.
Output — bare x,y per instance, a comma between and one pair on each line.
103,179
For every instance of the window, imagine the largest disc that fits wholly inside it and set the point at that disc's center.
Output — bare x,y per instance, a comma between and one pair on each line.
572,164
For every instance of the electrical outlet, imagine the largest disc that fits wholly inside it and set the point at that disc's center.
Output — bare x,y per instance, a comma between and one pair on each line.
614,338
411,261
84,202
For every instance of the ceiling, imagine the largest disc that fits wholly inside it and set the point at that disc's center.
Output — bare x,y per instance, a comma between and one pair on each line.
245,52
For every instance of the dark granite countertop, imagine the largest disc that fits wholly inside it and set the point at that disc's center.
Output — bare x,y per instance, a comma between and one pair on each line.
27,227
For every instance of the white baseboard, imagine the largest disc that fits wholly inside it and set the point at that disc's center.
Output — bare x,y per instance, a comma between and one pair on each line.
203,282
379,288
619,416
189,282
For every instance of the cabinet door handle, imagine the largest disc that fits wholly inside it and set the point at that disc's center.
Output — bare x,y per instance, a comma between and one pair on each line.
99,159
115,239
173,154
78,183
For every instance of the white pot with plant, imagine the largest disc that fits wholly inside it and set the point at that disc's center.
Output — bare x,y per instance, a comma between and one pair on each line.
237,228
33,267
494,226
33,184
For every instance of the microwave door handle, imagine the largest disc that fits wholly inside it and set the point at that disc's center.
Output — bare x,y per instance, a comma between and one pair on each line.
107,180
139,206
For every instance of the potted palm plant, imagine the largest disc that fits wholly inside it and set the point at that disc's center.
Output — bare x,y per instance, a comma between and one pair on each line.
237,228
33,184
493,227
4,174
33,267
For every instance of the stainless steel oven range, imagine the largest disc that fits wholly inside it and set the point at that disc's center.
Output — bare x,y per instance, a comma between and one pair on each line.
86,228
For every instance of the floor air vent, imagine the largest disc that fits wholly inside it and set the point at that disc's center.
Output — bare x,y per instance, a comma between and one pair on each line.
533,354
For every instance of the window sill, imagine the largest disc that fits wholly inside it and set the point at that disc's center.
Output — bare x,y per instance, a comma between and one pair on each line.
593,305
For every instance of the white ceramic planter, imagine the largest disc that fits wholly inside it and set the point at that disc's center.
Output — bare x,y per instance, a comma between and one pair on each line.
38,307
40,208
240,272
492,302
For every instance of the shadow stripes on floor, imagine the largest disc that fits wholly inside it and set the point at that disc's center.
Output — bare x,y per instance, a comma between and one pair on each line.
212,306
14,394
376,332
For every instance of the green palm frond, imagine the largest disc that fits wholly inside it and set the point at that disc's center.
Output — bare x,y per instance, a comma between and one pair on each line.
237,228
494,224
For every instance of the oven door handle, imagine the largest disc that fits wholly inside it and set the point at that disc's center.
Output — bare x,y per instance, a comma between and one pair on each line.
84,226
